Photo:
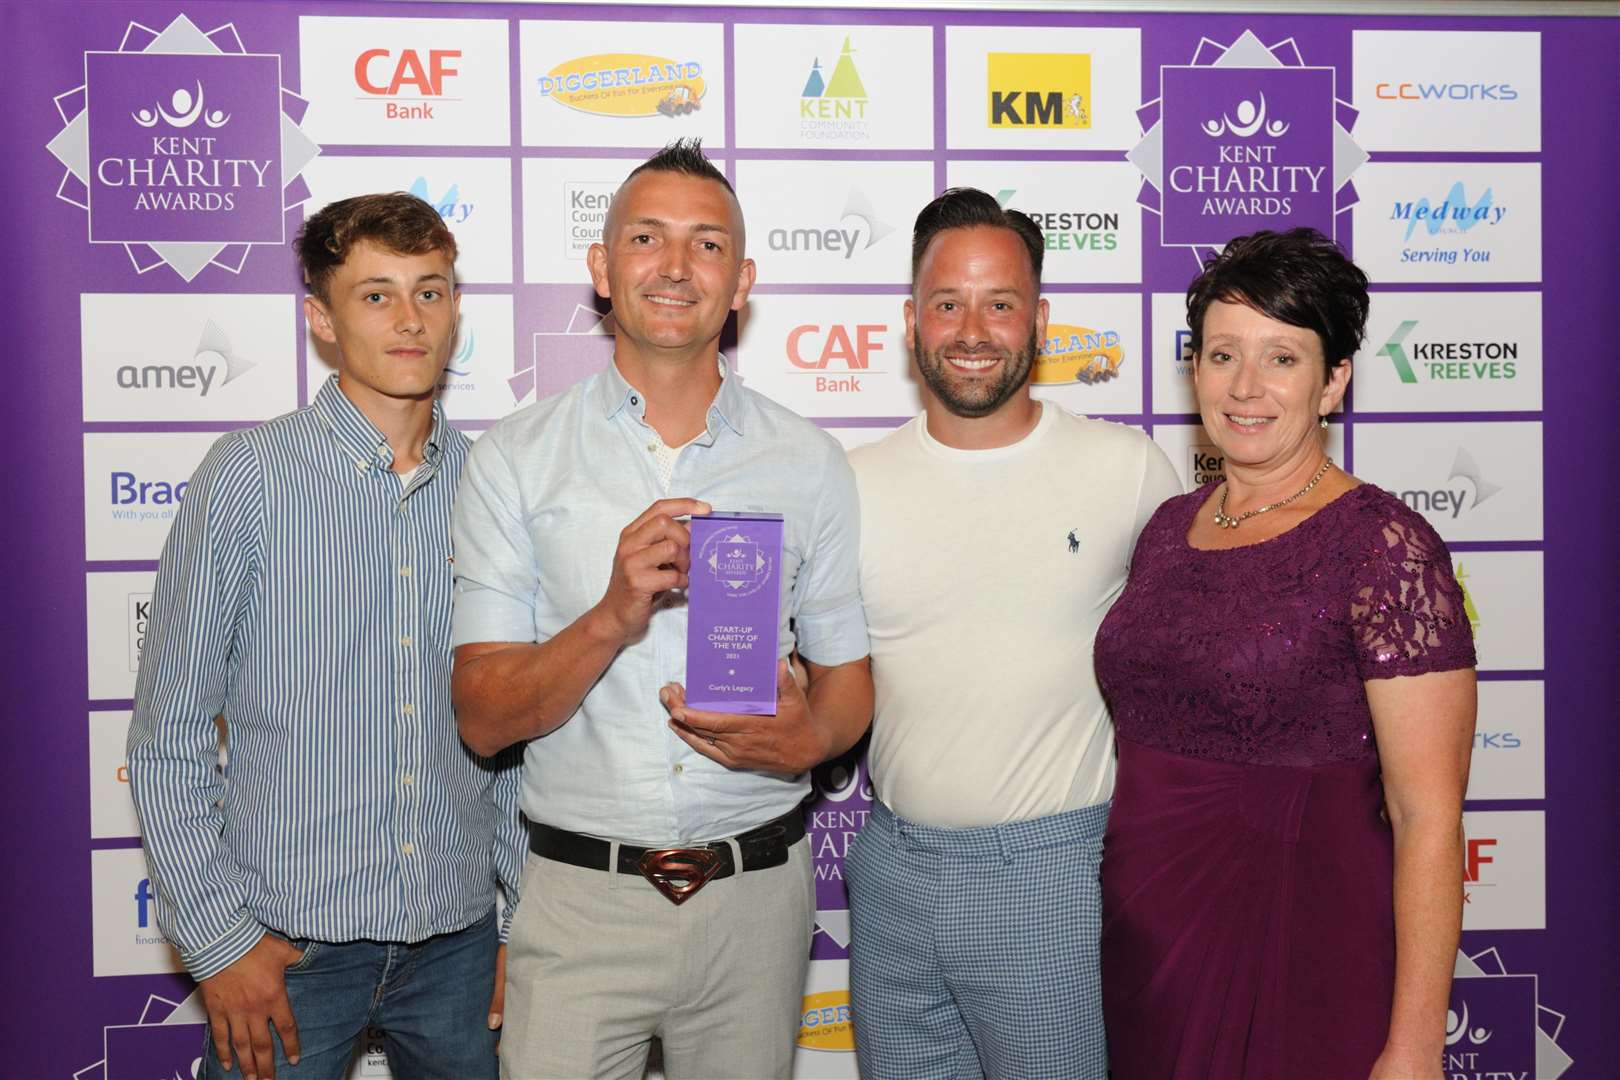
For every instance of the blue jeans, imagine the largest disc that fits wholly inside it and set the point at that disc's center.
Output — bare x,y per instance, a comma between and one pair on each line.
430,1000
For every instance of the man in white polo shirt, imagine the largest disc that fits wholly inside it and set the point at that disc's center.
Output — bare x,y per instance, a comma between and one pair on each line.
996,531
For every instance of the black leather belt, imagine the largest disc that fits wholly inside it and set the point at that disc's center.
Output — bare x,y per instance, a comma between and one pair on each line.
678,873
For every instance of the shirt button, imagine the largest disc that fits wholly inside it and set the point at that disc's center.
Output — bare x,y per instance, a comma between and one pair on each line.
679,769
407,708
634,400
407,849
652,448
404,571
405,641
407,779
361,465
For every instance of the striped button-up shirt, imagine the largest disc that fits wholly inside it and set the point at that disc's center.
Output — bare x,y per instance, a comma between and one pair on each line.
546,493
304,595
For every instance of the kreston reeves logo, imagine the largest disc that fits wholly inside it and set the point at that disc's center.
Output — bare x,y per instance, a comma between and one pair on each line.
1039,90
1245,137
626,85
411,79
178,147
1449,360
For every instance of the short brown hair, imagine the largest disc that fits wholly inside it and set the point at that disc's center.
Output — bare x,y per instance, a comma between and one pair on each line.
395,220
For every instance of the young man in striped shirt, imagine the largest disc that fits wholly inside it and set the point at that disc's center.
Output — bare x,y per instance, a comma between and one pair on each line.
342,870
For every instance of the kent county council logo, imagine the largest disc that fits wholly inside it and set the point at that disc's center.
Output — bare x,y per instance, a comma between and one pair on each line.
1078,354
1245,137
183,147
835,109
736,561
626,84
1497,1027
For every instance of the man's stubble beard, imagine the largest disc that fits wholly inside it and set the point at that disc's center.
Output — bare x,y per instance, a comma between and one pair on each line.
1015,372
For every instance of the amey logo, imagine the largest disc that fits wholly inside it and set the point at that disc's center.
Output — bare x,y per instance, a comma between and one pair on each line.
858,228
1453,91
1072,354
814,348
1452,214
1071,230
843,97
450,206
380,73
1449,360
1039,90
213,358
1454,500
626,85
826,1022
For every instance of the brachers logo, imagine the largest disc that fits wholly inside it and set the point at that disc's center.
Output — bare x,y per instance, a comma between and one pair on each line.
626,84
1072,354
413,77
1246,137
178,148
1039,90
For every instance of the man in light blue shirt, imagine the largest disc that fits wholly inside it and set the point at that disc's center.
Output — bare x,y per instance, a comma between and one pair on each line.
570,626
341,872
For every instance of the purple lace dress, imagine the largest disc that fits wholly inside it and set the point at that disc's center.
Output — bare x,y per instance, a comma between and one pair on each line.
1248,919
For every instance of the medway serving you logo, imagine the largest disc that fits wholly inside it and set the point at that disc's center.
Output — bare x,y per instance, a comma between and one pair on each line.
1246,137
180,147
626,84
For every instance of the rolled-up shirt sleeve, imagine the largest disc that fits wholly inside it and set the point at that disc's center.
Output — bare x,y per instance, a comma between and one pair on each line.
204,582
495,566
829,623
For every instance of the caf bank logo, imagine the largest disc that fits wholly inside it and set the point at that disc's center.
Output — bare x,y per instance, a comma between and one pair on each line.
182,147
834,108
1039,90
1078,354
1245,137
407,78
626,85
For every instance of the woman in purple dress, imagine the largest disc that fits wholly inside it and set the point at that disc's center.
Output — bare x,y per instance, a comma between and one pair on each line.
1291,676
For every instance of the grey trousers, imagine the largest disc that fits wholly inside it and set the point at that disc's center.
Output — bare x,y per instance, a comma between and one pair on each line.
598,964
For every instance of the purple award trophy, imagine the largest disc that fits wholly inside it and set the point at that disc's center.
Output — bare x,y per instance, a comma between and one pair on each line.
732,600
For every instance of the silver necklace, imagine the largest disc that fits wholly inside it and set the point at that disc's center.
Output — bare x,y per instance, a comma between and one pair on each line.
1225,521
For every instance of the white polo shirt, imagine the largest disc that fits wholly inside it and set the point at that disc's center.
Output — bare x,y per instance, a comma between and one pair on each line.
984,575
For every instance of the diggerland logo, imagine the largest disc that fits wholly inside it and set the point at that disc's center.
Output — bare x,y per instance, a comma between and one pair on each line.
178,147
626,85
1078,354
1246,137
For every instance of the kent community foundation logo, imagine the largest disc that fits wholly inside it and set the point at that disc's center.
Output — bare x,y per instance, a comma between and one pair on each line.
183,147
1246,137
835,108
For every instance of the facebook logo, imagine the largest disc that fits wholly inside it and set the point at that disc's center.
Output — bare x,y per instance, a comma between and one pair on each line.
143,901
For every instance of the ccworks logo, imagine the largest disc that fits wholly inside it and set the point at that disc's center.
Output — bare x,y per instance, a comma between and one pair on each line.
412,76
1071,229
450,206
1039,90
1446,361
857,229
1072,354
1455,91
843,97
626,85
1452,214
826,1022
1454,500
813,348
213,361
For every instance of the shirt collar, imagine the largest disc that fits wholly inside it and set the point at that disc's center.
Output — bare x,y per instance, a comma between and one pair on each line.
359,438
614,393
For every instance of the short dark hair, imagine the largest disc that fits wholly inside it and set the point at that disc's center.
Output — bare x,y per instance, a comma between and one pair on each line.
684,156
395,220
1299,277
964,208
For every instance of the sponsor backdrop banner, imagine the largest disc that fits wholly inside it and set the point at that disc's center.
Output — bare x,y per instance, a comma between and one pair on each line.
163,155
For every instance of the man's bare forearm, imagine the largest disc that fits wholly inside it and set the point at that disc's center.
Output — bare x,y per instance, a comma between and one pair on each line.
508,692
841,703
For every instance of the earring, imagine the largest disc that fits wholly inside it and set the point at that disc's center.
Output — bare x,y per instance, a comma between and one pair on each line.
1324,423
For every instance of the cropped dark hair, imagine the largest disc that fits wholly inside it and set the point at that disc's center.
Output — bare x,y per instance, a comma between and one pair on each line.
963,208
400,222
1299,277
684,156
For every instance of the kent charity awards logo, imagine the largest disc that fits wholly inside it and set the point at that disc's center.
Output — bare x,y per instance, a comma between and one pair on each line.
835,108
626,85
1496,1026
1245,137
182,147
835,816
1039,90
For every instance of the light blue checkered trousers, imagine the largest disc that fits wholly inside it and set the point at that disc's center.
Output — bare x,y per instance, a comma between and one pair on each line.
975,950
